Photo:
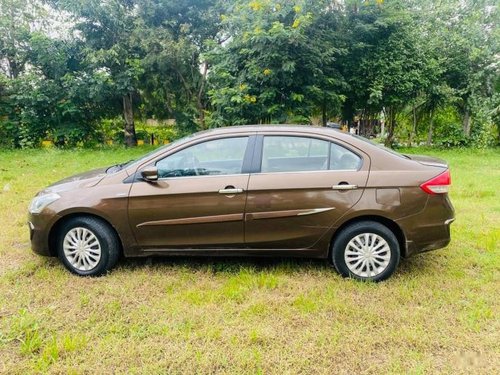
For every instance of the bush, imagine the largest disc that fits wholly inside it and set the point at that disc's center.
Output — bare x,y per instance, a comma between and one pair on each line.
112,130
453,137
161,133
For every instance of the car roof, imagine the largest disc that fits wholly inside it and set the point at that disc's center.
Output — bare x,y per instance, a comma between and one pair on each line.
285,128
264,127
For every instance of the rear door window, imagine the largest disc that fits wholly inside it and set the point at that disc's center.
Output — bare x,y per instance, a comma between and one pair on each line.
296,154
291,154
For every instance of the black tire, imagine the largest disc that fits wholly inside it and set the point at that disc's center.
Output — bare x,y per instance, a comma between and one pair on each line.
343,239
108,241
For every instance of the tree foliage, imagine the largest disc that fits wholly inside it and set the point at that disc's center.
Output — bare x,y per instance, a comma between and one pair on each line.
275,65
427,70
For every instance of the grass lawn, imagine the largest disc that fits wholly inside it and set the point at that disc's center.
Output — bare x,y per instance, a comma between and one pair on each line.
438,314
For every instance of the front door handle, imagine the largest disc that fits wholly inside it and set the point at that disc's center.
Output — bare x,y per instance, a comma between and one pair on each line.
230,190
344,187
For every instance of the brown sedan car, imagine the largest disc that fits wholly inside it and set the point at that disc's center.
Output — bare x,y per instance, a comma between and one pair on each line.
251,190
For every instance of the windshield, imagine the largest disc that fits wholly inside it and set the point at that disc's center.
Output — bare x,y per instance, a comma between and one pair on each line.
118,167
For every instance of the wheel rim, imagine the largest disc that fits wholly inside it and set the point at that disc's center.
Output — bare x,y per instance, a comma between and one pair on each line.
82,249
367,255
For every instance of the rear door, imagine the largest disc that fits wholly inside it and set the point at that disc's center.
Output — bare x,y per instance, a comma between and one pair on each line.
198,200
304,185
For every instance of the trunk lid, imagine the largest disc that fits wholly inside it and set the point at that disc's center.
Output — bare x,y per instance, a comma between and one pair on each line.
428,160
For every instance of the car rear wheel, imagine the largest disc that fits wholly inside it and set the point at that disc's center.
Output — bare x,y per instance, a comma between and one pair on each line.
366,250
87,246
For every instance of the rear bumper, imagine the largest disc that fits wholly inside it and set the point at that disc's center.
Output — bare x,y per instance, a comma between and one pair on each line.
441,238
430,229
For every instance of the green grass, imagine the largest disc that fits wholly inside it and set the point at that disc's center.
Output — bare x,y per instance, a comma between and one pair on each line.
437,314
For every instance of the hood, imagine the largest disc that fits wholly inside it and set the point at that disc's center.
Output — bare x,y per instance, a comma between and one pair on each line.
428,160
86,179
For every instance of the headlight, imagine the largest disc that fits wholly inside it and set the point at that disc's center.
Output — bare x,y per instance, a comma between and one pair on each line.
39,203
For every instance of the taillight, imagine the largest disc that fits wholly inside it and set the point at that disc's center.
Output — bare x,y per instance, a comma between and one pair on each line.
439,184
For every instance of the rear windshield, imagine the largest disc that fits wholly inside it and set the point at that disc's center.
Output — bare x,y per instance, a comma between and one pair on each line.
379,145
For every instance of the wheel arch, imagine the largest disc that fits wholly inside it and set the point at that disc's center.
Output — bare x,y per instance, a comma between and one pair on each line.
56,227
390,224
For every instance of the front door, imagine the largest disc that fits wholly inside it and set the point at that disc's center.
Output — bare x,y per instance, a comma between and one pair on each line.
198,200
305,185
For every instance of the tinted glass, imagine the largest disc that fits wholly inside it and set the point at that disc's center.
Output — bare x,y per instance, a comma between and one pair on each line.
342,159
290,154
217,157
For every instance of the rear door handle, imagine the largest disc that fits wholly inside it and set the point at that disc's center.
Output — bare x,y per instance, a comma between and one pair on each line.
230,190
344,187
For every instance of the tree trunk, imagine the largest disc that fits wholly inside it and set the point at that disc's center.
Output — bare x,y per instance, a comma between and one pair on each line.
14,68
413,131
466,123
431,124
390,127
199,98
324,119
128,116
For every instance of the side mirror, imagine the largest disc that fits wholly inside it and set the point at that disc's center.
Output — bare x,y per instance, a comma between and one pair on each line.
150,174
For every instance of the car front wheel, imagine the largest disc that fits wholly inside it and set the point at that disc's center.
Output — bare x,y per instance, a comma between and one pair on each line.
366,250
87,246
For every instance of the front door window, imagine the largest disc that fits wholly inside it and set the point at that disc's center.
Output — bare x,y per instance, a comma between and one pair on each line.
217,157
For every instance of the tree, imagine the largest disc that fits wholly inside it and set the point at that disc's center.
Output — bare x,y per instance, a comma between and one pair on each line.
175,36
16,19
385,66
108,29
471,52
55,97
271,69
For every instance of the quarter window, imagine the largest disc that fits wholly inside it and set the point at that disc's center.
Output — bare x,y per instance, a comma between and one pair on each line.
341,159
217,157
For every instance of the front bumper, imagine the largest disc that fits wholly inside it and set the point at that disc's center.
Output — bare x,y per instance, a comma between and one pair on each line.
39,229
